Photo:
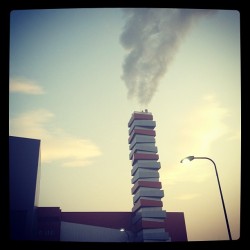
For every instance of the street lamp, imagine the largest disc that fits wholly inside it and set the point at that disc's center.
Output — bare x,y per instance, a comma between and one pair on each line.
190,158
123,230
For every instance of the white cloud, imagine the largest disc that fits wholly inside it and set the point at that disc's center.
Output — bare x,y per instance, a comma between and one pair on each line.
187,196
180,174
25,86
31,124
74,152
205,124
56,144
76,163
236,135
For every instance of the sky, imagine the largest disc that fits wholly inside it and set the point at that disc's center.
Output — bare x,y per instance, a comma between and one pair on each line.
77,75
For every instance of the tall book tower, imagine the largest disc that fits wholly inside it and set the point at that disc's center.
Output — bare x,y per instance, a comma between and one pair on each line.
148,216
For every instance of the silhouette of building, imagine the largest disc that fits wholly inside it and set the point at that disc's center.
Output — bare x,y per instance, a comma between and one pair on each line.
146,222
55,225
24,178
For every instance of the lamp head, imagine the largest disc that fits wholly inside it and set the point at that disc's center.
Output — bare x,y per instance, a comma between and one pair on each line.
187,159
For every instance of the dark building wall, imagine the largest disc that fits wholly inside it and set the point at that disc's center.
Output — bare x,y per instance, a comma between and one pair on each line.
48,217
23,186
175,225
48,223
114,220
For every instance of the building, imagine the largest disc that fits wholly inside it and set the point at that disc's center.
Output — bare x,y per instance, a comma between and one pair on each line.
24,176
145,222
149,218
48,224
55,225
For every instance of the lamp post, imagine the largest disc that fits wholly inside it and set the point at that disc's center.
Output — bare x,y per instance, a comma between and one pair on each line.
123,230
190,158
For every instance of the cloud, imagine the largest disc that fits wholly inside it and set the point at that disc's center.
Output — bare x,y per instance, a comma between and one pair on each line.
152,38
204,125
31,124
25,87
178,175
236,135
74,152
56,144
187,196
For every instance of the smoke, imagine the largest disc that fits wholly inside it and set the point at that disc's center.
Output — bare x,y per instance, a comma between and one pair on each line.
152,38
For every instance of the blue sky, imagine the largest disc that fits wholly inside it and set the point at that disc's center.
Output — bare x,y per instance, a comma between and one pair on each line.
67,88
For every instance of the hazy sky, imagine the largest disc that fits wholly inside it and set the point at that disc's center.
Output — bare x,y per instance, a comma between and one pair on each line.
77,75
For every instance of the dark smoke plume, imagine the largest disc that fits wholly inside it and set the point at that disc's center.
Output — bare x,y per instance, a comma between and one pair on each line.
152,38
